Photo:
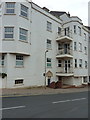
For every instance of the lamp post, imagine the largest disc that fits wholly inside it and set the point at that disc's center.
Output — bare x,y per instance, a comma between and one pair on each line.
45,67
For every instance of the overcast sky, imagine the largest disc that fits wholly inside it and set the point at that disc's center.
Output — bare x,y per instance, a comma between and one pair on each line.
74,7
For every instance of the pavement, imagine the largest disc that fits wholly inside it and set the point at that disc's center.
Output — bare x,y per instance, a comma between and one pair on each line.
39,91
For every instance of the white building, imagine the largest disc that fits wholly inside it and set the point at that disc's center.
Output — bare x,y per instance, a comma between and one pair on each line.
27,31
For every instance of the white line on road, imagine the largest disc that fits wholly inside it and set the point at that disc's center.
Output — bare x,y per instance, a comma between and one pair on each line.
12,108
69,100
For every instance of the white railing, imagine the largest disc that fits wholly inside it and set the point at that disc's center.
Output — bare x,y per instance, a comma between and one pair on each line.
65,51
62,70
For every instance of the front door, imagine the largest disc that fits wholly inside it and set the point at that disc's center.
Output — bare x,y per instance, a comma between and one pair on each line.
49,80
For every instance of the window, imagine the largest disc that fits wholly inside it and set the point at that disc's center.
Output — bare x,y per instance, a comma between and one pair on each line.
20,81
75,46
79,31
49,26
23,34
49,46
19,60
49,64
2,58
75,29
80,63
24,11
85,64
85,79
9,32
80,46
59,63
59,30
10,8
85,50
59,46
84,36
75,63
69,63
67,31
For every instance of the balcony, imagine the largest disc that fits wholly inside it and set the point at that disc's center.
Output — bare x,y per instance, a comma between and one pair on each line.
64,36
65,71
64,53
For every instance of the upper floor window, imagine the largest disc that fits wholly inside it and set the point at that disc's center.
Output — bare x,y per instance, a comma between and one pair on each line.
59,63
9,32
19,60
85,64
75,46
84,36
59,30
24,11
49,45
75,63
80,46
85,50
49,62
10,8
49,26
79,30
2,58
80,63
23,34
74,28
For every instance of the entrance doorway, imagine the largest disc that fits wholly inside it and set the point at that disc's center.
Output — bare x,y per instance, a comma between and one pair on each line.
49,81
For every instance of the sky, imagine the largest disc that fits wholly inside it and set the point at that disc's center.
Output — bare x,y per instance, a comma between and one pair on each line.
74,7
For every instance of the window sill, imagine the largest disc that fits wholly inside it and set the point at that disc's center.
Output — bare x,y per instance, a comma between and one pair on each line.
23,41
9,14
19,84
19,66
23,17
8,39
49,31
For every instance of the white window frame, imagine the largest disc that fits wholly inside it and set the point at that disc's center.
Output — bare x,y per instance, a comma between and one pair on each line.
59,63
49,62
79,30
2,60
75,63
80,46
10,8
80,63
23,11
85,36
21,33
75,46
20,59
86,64
49,44
75,29
85,50
9,32
49,26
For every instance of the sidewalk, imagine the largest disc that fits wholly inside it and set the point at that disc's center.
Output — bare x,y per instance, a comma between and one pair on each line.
39,91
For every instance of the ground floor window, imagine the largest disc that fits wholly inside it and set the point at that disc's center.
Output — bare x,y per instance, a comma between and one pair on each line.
89,78
85,79
20,81
19,60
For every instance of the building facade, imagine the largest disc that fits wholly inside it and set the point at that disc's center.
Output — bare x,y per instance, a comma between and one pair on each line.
38,46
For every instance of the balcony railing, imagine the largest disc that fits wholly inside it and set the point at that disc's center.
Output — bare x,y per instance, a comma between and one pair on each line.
65,51
65,35
64,70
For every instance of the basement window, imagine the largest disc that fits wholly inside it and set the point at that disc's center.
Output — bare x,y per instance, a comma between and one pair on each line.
19,81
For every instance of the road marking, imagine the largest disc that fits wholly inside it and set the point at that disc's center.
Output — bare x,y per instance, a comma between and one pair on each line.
12,108
69,100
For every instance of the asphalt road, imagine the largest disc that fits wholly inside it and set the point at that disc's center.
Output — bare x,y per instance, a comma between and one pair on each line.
67,105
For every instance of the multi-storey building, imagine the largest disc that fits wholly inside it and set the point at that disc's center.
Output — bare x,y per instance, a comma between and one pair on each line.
35,41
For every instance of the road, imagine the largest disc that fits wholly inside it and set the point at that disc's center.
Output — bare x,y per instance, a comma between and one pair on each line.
67,105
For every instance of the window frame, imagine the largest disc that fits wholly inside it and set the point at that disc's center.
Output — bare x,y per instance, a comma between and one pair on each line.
49,62
49,26
10,13
23,11
59,63
75,46
23,35
80,63
9,33
49,44
19,58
